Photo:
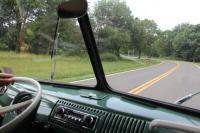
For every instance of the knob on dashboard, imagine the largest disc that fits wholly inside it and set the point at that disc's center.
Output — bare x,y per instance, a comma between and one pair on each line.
60,111
68,111
88,119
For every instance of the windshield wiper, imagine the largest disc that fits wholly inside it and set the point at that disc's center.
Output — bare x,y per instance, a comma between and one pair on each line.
185,98
54,49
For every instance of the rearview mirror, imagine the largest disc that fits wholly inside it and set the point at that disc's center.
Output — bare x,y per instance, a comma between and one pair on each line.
72,9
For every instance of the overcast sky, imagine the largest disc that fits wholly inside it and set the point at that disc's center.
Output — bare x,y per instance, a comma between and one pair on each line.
166,13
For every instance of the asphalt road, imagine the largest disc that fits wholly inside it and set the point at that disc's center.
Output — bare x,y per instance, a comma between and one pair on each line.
167,82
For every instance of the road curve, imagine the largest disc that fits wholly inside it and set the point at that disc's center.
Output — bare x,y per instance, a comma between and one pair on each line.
167,82
185,80
126,81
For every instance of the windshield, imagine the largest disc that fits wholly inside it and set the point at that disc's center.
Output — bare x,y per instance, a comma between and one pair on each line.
31,45
152,48
147,48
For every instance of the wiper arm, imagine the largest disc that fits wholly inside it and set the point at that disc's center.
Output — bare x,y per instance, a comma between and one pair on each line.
54,49
185,98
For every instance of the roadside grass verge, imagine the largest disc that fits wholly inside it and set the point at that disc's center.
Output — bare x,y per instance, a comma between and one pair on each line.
68,68
197,64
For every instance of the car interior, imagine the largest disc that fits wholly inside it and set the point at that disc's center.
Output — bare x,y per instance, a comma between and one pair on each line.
35,106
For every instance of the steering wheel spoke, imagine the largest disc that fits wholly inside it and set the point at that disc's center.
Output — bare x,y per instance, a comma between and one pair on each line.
14,107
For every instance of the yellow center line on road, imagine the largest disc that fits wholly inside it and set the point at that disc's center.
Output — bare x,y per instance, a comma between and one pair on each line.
147,84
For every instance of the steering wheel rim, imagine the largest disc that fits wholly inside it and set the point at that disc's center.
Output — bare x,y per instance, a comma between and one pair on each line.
31,105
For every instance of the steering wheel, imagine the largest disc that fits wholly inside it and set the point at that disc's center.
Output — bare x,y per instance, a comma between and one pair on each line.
30,104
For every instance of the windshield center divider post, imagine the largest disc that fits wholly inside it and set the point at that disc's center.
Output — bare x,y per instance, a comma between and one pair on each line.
93,52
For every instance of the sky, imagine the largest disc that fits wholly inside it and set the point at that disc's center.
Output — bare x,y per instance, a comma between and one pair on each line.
166,13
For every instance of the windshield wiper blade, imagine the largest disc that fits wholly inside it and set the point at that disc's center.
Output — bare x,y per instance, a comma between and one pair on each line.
185,98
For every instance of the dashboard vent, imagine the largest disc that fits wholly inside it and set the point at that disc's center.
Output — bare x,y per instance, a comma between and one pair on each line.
114,123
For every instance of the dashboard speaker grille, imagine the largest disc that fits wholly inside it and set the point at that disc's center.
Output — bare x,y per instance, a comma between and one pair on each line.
114,123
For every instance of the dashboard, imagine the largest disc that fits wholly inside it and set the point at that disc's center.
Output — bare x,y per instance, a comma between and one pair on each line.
75,110
79,118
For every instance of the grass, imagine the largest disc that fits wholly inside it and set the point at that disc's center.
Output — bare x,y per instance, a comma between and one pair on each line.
197,63
67,68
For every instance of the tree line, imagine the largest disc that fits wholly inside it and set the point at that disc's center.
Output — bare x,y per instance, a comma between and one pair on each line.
29,26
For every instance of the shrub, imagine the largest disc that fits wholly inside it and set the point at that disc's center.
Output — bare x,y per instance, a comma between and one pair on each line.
3,46
108,57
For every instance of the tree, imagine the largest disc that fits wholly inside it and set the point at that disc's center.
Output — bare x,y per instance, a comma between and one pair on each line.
114,13
27,11
138,37
150,28
30,25
183,44
113,40
112,19
163,43
17,14
143,36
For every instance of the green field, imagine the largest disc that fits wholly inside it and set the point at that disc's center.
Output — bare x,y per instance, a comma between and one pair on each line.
68,68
